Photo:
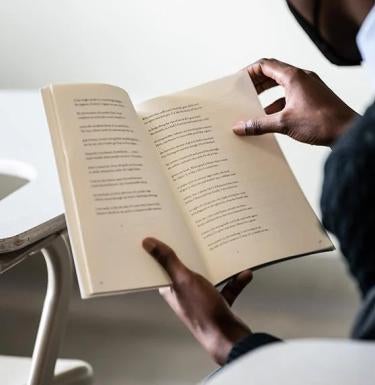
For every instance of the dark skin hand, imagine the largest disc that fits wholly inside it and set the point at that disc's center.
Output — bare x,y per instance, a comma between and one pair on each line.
199,305
310,112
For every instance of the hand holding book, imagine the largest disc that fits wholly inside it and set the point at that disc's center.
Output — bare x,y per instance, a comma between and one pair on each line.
310,112
200,306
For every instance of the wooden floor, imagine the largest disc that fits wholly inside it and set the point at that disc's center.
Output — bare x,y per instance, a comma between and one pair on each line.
135,339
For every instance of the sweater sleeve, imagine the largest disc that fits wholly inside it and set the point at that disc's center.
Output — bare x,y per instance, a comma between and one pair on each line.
347,202
250,343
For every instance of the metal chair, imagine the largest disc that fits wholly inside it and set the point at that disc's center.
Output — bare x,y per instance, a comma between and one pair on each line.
42,368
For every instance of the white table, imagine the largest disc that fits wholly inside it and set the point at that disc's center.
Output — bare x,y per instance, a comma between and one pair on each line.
26,152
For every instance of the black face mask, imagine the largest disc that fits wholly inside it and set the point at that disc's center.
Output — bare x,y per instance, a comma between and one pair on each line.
324,47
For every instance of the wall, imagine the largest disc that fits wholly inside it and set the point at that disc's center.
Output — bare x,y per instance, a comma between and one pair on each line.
152,47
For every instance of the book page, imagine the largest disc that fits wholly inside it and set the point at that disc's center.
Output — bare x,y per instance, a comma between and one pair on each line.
239,195
114,189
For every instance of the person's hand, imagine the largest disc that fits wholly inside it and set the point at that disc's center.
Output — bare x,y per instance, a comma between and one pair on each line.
198,304
310,112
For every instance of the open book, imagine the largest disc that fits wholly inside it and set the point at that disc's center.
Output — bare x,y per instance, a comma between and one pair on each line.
172,168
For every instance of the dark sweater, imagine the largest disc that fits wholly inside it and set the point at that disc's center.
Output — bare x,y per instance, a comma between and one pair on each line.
348,210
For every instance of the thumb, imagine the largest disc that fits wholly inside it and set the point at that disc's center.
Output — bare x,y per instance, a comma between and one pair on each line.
166,257
264,125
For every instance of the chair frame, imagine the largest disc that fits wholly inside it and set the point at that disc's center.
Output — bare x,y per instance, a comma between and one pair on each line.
57,255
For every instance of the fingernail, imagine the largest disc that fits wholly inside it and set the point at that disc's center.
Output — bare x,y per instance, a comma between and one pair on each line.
149,245
239,128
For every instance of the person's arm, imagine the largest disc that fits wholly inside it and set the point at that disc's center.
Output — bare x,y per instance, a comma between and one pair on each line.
205,311
310,112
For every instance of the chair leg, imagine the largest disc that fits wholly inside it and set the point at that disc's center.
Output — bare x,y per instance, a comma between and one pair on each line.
52,323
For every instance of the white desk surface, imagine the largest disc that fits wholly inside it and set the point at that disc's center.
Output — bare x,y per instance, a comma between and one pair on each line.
26,150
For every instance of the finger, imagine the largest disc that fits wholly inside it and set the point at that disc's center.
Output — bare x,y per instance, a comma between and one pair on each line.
278,71
276,106
265,85
312,74
260,80
166,257
264,125
235,286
